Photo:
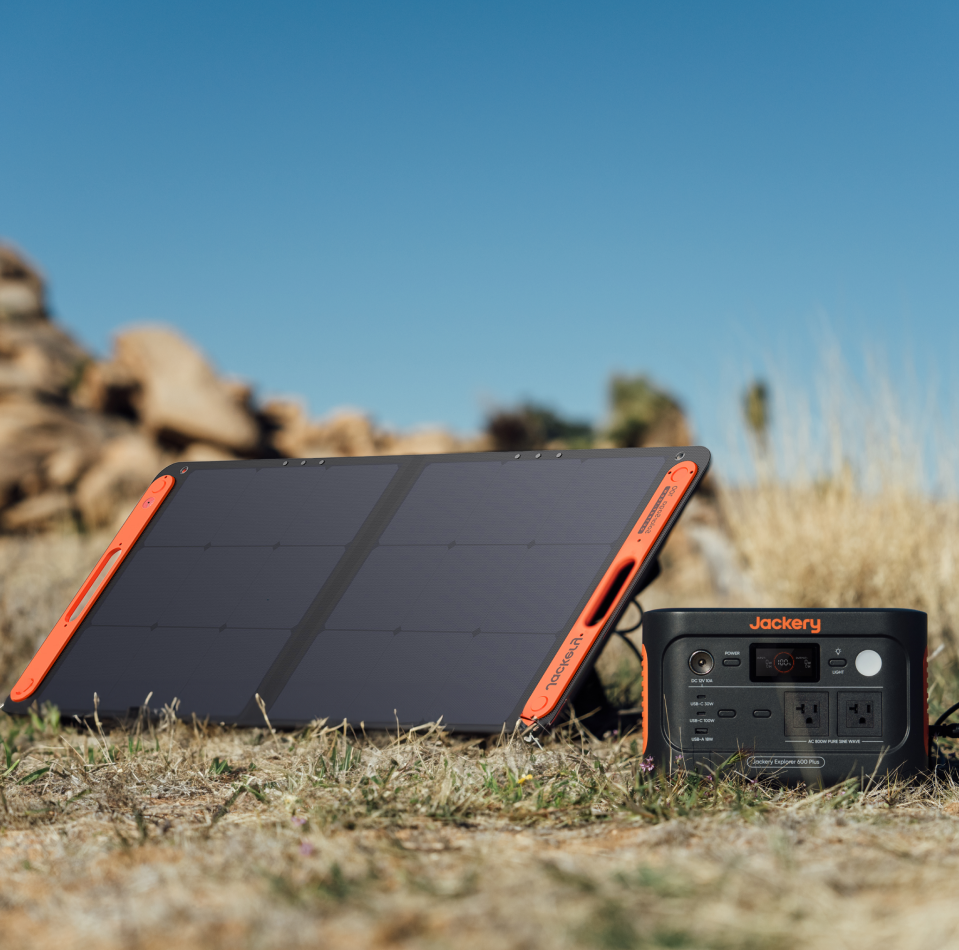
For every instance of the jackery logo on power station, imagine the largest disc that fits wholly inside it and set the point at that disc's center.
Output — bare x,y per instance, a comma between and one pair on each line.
813,624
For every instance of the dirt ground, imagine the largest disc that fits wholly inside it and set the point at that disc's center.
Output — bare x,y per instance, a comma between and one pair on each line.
169,835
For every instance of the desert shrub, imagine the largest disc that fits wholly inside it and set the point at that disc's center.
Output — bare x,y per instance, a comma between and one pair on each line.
533,426
642,413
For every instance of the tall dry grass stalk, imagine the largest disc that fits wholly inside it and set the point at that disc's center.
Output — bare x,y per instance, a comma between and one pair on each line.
852,501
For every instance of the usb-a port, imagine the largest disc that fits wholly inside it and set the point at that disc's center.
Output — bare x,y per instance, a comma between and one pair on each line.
701,731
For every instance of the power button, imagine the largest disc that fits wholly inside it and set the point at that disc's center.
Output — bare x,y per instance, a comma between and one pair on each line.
869,662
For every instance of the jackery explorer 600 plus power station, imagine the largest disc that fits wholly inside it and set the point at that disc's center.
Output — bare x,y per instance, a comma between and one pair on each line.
807,695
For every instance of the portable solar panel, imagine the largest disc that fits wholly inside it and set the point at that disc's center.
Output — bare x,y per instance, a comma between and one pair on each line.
476,588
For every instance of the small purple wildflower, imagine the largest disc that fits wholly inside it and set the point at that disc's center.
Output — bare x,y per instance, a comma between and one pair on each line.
306,849
647,764
707,778
298,820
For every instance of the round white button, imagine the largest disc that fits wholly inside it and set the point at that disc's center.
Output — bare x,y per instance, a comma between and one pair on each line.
869,662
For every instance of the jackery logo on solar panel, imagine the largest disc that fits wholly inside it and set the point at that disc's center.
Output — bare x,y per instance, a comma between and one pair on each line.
656,512
574,645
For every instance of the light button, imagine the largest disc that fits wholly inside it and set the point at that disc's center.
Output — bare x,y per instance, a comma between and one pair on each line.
869,662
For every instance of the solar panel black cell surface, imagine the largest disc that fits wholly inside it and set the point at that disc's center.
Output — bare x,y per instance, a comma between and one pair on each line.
377,590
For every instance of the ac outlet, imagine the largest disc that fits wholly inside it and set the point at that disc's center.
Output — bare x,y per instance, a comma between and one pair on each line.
806,714
860,713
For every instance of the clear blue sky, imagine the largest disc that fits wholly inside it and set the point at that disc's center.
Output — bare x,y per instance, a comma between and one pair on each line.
415,207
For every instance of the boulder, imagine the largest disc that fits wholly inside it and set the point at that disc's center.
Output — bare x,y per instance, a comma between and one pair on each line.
106,387
39,358
62,467
22,291
125,468
38,513
204,452
347,432
426,441
344,433
177,396
44,445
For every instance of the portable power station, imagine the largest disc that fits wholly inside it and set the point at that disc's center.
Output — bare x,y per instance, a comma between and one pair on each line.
812,696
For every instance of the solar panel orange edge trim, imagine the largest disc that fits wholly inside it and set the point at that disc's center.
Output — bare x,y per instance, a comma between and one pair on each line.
553,683
72,617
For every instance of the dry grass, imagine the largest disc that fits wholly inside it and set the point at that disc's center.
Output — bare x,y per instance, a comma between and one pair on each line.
169,834
38,576
854,500
832,545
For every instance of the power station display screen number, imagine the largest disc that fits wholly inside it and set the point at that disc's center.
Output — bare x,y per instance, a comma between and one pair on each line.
784,663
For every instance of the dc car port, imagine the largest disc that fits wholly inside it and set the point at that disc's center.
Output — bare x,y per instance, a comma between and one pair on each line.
701,662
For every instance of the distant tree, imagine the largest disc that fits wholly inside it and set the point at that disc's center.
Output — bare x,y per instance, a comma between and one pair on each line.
756,412
532,426
638,408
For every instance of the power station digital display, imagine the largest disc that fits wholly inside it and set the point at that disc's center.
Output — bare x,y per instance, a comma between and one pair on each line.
784,663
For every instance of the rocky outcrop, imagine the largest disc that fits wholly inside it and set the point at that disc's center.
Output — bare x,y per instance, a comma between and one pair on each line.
80,438
349,432
163,381
124,468
22,292
296,436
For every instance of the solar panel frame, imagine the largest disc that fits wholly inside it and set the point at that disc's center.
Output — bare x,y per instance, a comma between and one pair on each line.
489,670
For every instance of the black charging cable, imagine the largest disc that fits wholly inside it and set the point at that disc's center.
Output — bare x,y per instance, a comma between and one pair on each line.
624,634
941,731
939,761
